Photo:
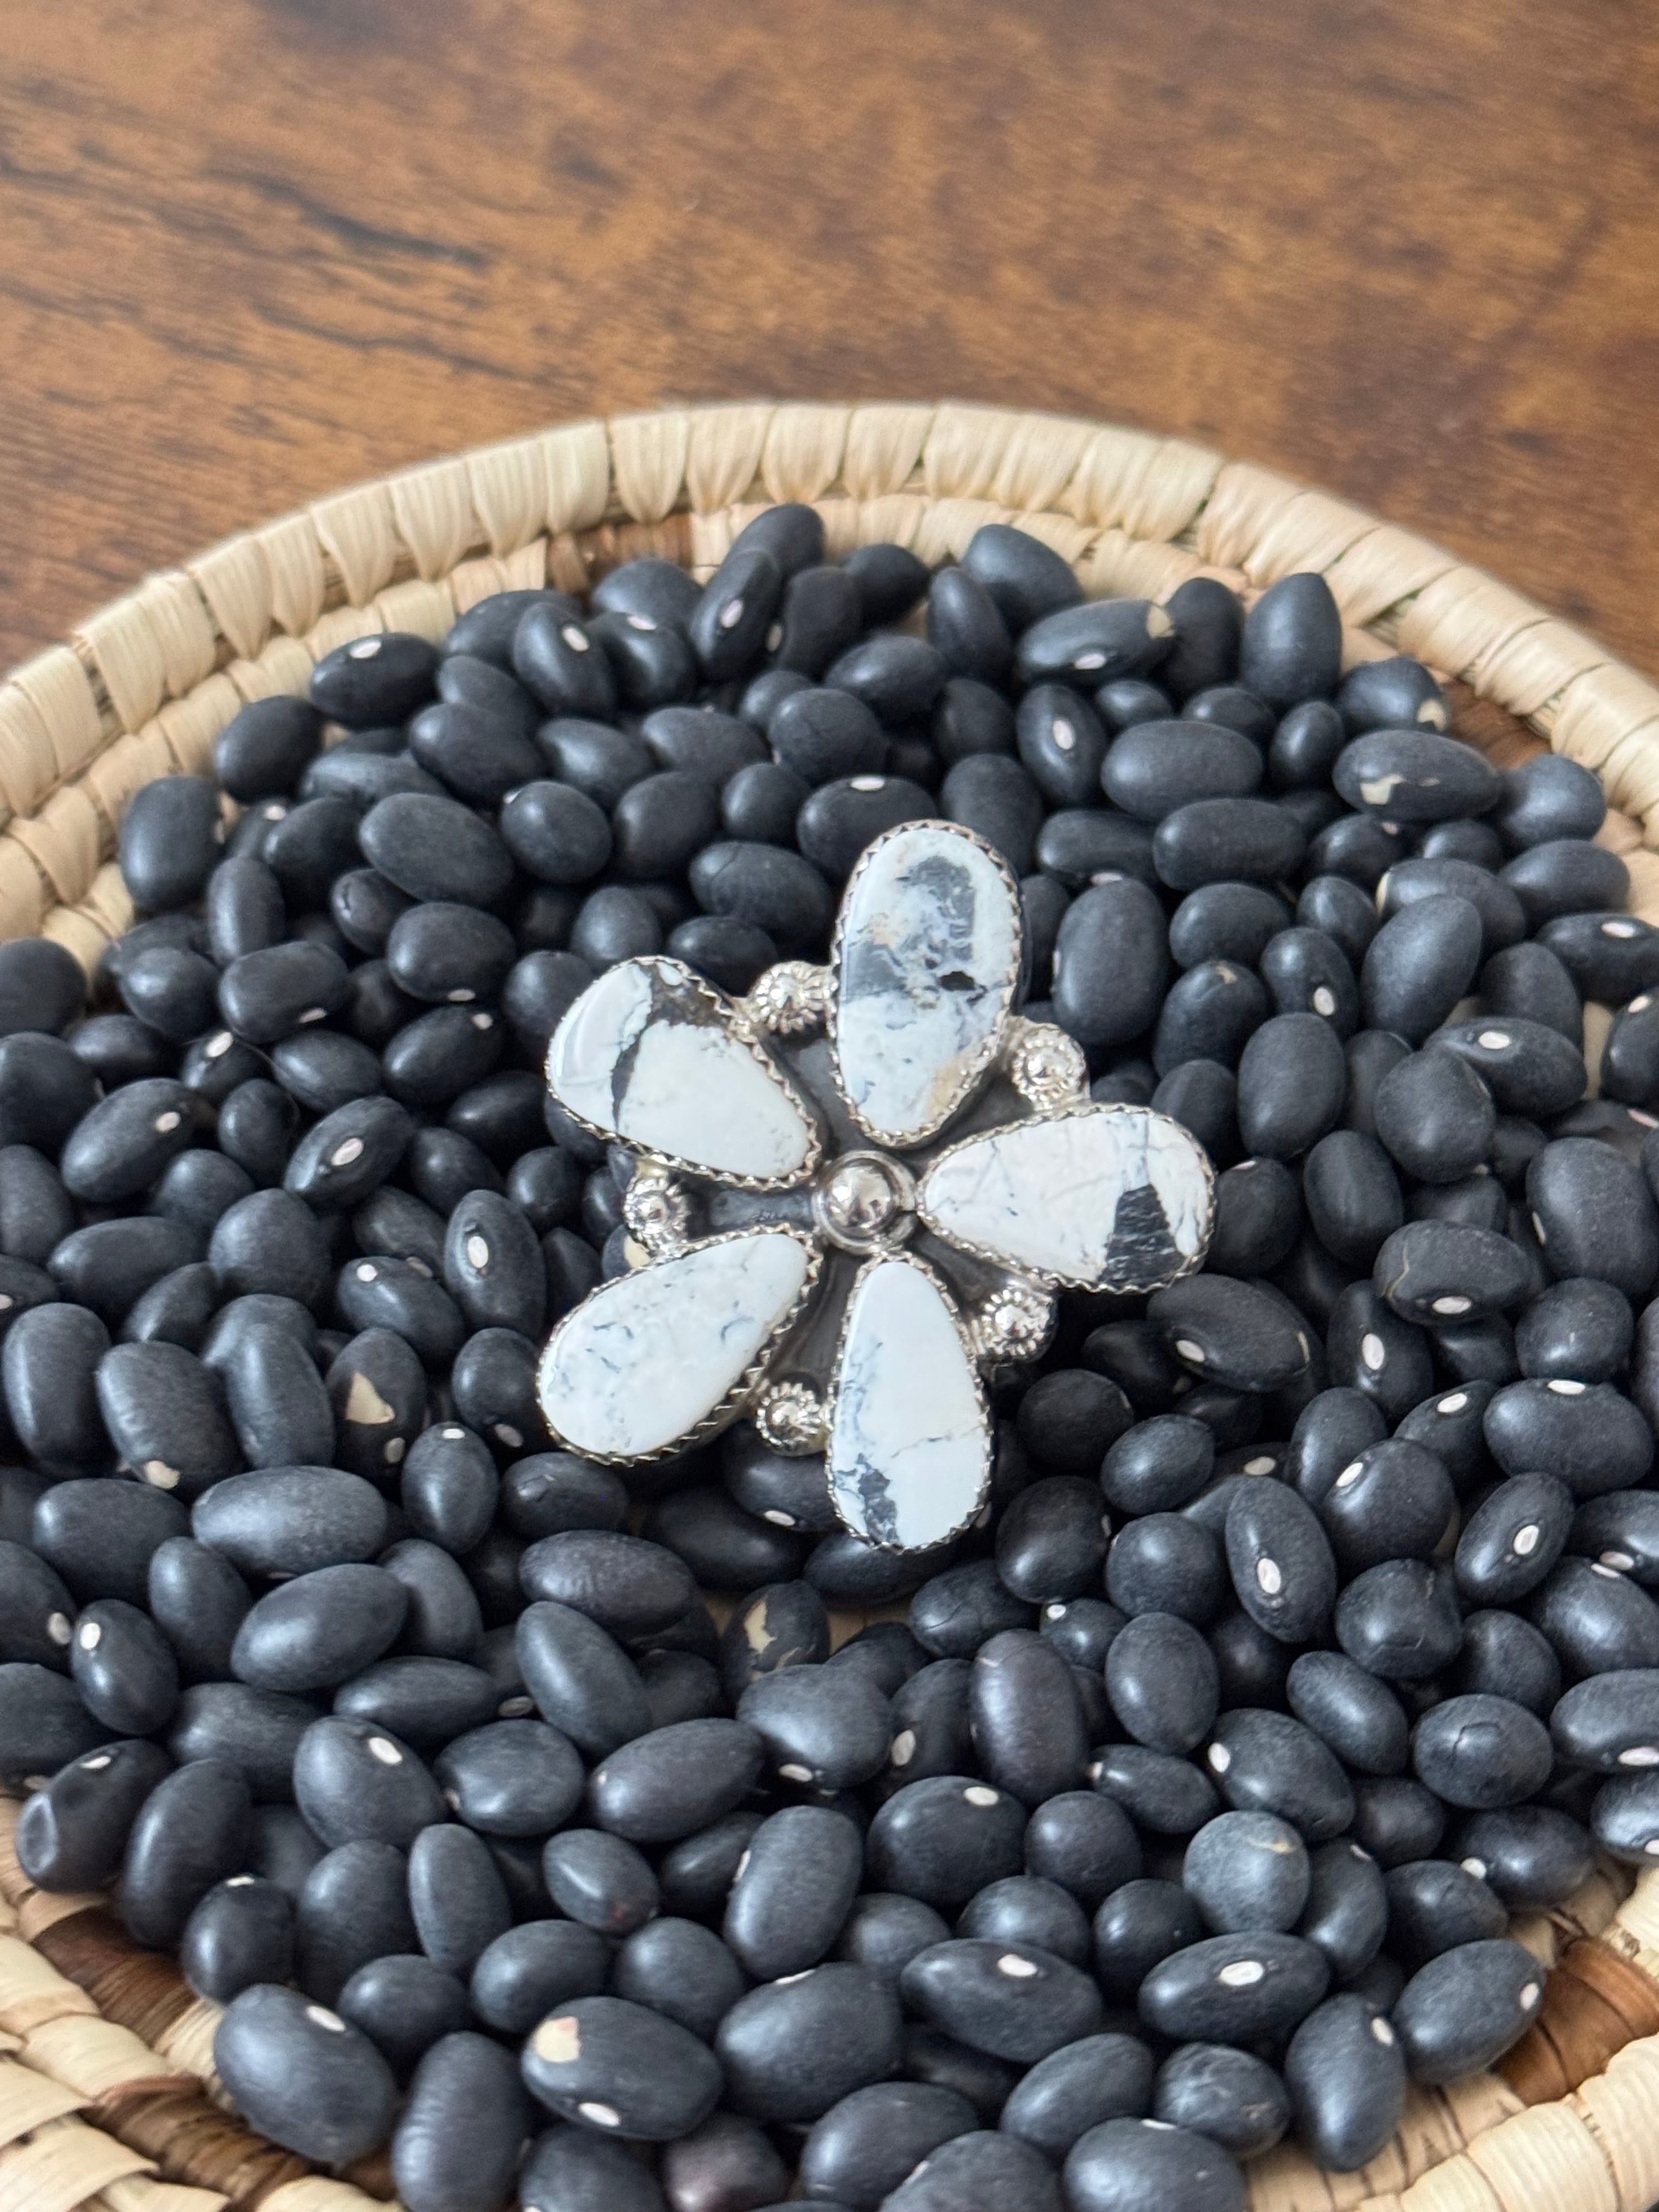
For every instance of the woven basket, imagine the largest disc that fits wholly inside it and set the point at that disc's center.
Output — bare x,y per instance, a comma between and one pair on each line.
107,2095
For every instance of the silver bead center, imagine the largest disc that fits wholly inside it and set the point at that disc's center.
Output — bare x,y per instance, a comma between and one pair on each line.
864,1201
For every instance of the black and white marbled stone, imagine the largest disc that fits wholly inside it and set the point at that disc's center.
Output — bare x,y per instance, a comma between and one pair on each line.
649,1355
650,1056
908,1456
926,959
1100,1198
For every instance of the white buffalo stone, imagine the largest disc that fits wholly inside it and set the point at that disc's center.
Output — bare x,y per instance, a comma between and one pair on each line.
649,1355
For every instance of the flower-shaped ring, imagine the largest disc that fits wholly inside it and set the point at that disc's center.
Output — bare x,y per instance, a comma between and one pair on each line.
804,1242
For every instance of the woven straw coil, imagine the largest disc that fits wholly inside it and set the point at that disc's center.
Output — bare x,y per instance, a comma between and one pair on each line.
107,2095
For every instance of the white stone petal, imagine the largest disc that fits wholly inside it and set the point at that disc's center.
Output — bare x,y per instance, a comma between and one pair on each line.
650,1055
909,1454
648,1357
926,961
1100,1198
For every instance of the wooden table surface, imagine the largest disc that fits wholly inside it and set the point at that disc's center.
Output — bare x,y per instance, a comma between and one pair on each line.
252,250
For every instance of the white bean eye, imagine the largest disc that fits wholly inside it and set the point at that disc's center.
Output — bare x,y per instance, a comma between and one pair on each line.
91,1636
344,1155
1242,1974
902,1748
979,1795
386,1752
1455,1404
164,1124
477,1253
602,2115
1189,1350
731,614
1371,1351
1269,1577
1219,1757
1018,1969
1524,1542
323,2017
577,640
1383,2032
366,648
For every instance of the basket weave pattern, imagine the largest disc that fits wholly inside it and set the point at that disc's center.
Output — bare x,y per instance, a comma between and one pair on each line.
107,2095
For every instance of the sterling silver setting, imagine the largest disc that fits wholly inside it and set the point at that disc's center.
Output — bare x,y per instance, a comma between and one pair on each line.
856,1194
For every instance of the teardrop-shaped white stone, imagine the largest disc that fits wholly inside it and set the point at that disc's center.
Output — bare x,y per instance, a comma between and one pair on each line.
1100,1198
648,1357
649,1054
909,1446
926,957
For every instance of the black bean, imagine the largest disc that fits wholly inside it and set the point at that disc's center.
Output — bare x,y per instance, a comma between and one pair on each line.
302,2077
1435,1115
241,1933
123,1668
1347,2077
199,1600
725,1548
672,1782
629,1586
1434,1906
123,1145
970,718
582,1682
1161,1792
1233,1987
997,798
1233,2098
1247,1870
72,1833
1226,840
189,1835
354,1783
1340,908
1110,963
1551,881
622,2067
1027,1725
171,836
1164,1563
1464,2008
319,1629
264,748
1292,1079
435,849
1588,1434
1209,1014
1156,767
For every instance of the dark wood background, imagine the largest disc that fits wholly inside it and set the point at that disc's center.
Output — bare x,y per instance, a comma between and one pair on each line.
251,250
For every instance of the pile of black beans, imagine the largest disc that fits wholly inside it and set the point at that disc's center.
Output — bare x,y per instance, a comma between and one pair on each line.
1308,1636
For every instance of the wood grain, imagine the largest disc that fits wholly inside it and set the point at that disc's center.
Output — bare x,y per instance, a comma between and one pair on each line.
253,249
